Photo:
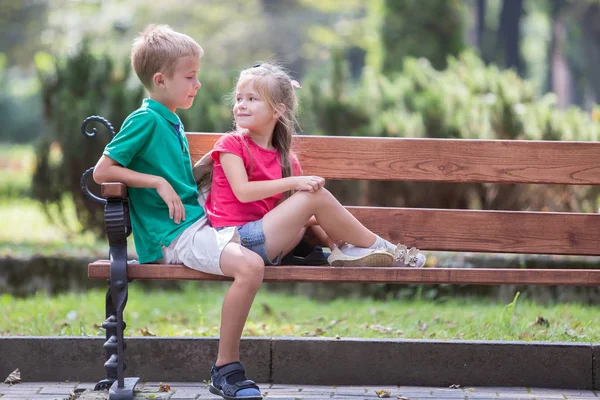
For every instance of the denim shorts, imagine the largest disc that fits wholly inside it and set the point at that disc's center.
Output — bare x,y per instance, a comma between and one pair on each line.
253,238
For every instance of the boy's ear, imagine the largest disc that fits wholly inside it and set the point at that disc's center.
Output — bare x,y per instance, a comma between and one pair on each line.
158,79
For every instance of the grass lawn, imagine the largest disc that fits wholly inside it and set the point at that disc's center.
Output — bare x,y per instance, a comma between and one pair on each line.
195,311
25,229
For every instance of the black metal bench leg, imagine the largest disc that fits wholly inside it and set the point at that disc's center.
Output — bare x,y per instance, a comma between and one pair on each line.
110,346
120,388
118,227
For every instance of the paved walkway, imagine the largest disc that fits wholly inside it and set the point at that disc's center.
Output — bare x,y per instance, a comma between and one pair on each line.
191,391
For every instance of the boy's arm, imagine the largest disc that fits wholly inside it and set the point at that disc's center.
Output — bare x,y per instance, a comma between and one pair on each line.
246,191
108,170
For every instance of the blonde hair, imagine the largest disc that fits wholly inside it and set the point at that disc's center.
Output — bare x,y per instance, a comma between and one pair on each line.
158,49
275,85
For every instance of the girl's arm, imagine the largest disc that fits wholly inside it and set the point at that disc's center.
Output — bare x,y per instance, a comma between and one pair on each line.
246,191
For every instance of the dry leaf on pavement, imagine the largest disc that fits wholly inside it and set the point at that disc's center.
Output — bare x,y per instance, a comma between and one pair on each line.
383,394
164,388
14,377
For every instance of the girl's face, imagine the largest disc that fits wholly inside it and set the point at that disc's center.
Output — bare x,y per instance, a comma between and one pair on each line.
252,111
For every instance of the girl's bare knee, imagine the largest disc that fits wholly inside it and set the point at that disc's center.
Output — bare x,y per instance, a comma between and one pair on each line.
252,270
312,198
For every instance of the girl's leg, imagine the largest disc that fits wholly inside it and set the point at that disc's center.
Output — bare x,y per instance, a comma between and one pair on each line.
292,245
282,224
247,269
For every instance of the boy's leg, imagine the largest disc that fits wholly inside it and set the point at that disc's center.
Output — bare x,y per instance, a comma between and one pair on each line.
282,224
247,270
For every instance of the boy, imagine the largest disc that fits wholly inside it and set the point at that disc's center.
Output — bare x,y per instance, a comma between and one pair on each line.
151,156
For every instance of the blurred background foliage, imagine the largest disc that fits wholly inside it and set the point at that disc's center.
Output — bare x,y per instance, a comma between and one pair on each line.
473,69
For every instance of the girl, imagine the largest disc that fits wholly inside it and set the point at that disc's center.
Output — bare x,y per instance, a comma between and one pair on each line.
257,184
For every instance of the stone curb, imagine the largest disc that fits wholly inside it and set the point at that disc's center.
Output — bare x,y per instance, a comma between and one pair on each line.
316,361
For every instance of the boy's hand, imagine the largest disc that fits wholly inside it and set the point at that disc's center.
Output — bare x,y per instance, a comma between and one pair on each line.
176,209
308,183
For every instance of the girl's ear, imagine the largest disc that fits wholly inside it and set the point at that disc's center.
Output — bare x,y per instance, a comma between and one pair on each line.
279,110
158,80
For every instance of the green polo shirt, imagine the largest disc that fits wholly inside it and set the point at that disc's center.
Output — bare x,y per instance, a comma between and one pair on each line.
152,141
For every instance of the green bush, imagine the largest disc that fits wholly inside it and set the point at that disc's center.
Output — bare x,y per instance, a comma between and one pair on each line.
20,112
82,85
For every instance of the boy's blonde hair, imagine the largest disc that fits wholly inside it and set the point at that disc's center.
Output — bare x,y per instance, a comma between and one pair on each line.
158,49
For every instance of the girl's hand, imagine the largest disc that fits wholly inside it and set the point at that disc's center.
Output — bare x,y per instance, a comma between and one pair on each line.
172,200
308,183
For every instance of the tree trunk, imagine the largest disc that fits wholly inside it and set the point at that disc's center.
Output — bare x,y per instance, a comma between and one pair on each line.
591,44
509,34
480,23
559,75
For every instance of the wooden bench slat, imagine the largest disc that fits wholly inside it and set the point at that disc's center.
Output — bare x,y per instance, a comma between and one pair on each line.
485,231
439,160
480,276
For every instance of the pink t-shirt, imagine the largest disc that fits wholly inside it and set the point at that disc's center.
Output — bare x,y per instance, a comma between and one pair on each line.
222,207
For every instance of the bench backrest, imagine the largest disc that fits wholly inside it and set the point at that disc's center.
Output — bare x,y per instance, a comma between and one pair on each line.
450,160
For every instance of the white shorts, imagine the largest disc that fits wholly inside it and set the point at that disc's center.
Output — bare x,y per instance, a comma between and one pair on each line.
200,246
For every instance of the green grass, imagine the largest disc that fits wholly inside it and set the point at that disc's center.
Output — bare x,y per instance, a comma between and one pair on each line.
17,163
195,311
26,231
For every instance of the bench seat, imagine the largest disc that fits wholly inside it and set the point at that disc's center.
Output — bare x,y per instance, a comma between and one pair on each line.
477,276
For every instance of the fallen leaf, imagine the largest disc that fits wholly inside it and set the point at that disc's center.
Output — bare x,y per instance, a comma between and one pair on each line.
333,323
380,328
14,377
164,388
267,309
402,398
146,332
383,394
454,386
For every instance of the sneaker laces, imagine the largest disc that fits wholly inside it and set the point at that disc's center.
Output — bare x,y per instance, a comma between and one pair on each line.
407,257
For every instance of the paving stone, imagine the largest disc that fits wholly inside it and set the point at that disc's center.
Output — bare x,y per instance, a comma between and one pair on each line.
152,396
16,389
569,393
94,395
56,390
86,386
35,397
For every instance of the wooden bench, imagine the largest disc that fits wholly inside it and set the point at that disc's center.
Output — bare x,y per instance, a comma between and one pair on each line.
399,159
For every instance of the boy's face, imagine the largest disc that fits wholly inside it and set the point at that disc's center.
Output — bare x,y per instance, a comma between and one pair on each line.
178,89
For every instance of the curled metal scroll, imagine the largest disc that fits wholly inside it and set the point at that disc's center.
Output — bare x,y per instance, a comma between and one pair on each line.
86,190
96,118
92,133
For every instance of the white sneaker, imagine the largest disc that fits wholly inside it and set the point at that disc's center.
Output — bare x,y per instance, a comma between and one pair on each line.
405,257
349,255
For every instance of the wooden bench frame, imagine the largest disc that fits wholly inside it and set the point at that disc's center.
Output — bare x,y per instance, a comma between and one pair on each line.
429,160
